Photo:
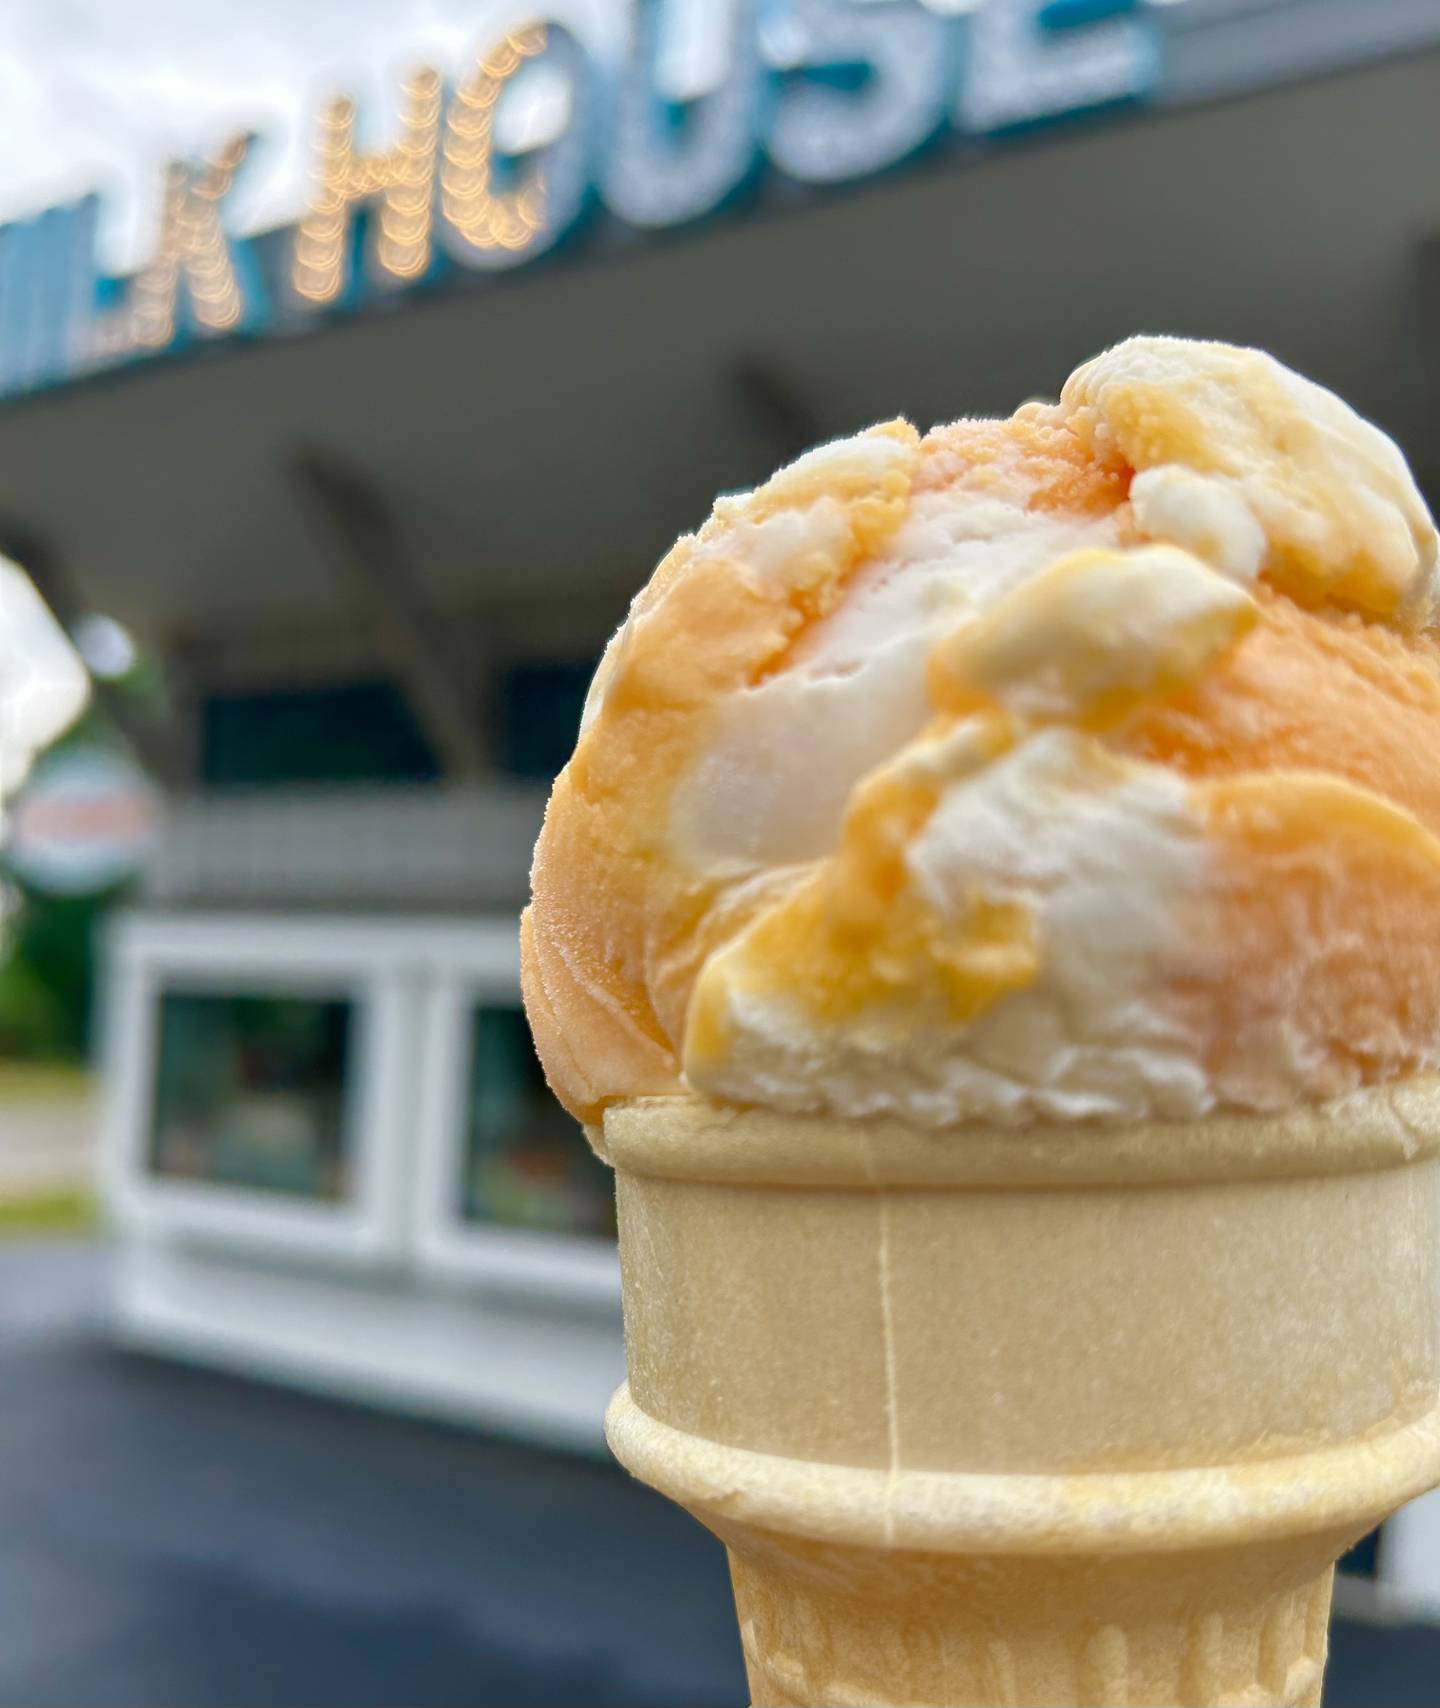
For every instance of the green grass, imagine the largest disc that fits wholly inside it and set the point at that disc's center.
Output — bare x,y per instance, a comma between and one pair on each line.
49,1082
59,1210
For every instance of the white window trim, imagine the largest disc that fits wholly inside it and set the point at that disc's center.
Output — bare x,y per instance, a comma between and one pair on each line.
222,955
413,980
570,1267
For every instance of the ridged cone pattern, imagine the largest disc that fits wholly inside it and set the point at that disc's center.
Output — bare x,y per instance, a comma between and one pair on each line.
804,1647
957,1460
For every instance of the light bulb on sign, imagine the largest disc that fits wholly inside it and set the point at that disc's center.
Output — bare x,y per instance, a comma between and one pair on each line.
671,161
866,86
196,263
402,179
486,225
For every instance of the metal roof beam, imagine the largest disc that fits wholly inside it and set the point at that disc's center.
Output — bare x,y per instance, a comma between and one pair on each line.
411,637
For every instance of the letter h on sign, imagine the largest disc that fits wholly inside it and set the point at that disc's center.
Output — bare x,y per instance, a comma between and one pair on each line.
402,180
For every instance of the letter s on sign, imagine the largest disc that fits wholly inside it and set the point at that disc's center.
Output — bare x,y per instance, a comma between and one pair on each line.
867,84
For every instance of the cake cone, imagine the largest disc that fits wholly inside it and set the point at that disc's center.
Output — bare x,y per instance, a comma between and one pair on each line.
1045,1416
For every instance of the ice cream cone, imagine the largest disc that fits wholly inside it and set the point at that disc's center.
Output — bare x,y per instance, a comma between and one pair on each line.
1052,1415
1066,788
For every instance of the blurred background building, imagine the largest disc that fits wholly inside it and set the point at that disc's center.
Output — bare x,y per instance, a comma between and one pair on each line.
337,434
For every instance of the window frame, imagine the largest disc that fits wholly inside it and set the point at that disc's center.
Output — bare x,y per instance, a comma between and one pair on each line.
464,970
281,955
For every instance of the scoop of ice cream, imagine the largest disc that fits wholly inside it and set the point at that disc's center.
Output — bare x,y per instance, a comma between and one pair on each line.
1080,765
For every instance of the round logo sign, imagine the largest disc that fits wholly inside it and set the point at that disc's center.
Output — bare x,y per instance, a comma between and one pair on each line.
83,821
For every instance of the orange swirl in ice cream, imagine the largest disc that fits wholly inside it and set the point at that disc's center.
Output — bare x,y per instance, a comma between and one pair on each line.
1084,764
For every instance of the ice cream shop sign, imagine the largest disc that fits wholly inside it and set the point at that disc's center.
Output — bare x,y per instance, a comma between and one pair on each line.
812,93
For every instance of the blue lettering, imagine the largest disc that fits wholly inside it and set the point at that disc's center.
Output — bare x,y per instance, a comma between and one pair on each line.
866,85
671,161
47,295
1029,60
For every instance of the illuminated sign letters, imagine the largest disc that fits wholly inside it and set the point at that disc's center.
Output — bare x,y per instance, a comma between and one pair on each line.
487,224
824,91
402,181
199,279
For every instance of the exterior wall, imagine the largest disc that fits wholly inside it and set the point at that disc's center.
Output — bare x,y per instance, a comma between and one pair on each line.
440,847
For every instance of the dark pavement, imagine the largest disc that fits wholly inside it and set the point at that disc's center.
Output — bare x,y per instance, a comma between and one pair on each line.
169,1536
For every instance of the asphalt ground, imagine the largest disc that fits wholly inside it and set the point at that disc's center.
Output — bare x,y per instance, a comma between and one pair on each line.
171,1536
